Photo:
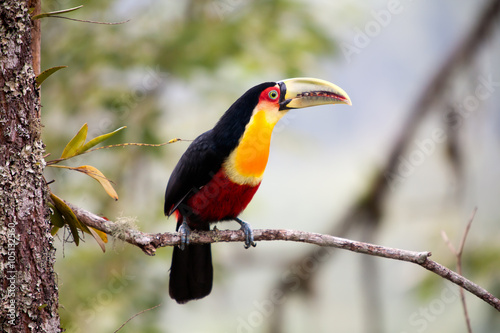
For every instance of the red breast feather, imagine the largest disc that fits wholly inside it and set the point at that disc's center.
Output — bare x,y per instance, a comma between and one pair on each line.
220,199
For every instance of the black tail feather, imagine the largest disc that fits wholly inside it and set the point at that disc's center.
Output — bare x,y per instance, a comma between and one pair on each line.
191,273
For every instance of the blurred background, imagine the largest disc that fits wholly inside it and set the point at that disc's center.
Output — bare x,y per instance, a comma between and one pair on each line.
413,156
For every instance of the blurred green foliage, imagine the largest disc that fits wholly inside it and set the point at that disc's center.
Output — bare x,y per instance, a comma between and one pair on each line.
149,74
116,76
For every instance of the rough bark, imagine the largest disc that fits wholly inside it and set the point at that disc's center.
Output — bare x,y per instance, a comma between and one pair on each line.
29,296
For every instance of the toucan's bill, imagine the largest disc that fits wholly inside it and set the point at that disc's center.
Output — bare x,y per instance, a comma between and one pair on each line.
299,93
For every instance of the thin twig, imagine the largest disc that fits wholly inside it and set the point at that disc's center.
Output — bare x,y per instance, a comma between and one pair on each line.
55,161
137,314
458,254
466,232
136,144
87,21
150,242
370,205
448,242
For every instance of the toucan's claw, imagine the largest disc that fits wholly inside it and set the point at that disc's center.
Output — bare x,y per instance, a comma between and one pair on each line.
184,230
247,230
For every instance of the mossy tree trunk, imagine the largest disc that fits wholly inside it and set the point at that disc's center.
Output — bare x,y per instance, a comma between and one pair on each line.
29,296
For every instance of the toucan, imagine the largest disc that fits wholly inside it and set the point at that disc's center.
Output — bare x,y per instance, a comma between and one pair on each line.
221,170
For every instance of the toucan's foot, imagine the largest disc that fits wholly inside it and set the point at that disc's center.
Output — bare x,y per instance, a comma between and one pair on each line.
184,230
247,230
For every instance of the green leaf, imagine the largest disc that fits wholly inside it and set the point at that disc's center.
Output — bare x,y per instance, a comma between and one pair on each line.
56,218
61,208
42,15
73,147
54,230
46,73
102,235
99,176
99,139
98,238
94,173
70,217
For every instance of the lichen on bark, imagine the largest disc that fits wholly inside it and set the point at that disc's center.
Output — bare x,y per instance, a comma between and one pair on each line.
29,296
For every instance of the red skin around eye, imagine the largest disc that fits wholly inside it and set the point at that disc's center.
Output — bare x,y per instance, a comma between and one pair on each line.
264,96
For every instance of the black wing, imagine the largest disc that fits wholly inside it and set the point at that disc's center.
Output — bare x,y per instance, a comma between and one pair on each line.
195,168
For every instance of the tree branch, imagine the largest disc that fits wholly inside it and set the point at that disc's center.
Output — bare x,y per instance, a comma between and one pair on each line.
458,254
150,242
368,208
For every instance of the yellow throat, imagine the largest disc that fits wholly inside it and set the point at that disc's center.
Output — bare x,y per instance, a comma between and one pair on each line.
247,162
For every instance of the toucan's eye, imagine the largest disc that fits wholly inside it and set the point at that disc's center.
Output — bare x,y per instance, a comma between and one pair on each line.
273,94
